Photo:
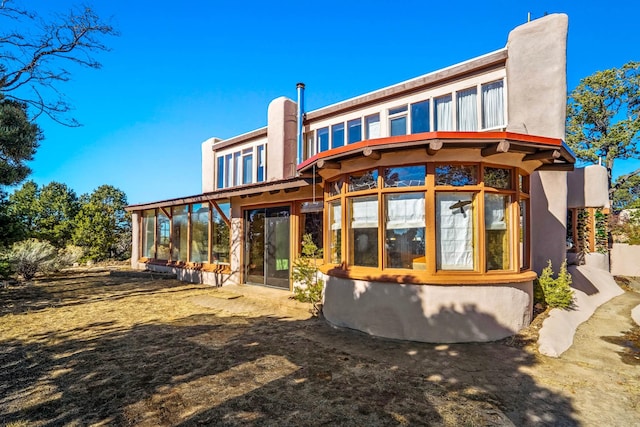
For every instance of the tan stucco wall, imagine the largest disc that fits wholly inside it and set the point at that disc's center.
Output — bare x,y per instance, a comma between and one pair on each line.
429,313
548,219
281,139
536,76
625,260
208,165
588,187
135,239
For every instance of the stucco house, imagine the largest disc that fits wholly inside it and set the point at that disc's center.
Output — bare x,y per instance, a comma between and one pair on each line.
435,200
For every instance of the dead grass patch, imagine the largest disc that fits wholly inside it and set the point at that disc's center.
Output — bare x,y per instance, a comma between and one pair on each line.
89,349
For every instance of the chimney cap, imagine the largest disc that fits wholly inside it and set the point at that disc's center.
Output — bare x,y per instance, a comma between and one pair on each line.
300,85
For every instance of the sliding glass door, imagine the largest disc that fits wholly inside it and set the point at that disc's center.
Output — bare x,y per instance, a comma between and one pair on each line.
267,249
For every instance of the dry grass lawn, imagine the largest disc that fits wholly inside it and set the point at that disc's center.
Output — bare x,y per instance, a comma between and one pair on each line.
91,349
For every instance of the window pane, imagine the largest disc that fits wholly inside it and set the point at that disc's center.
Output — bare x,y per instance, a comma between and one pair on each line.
237,178
309,149
335,187
312,224
443,118
492,105
247,168
457,175
261,163
496,224
163,236
363,180
220,172
354,129
228,167
323,139
398,126
524,234
398,110
148,233
372,126
497,178
337,135
220,245
454,231
467,111
199,233
408,176
405,230
363,231
335,242
179,236
420,117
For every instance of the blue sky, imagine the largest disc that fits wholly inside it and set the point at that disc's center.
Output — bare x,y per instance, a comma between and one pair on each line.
182,72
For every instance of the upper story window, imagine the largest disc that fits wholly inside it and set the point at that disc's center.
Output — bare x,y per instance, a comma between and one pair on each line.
337,135
354,131
442,118
240,168
467,109
398,121
493,105
372,126
323,139
420,117
478,107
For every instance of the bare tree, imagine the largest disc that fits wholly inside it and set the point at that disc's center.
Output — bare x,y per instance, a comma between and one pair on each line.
35,50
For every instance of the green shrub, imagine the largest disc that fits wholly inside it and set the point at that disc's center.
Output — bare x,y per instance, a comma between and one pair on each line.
32,256
555,293
306,285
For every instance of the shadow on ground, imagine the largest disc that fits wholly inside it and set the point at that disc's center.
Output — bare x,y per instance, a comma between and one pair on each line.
256,370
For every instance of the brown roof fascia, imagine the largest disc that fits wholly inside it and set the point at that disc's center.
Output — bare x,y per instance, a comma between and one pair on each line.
226,193
465,69
240,139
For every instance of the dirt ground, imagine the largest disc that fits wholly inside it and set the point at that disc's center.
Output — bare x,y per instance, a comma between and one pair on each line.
92,349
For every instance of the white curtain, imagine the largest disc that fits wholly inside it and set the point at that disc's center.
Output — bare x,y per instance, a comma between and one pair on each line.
493,105
405,211
454,215
467,109
495,212
364,212
373,127
336,219
443,113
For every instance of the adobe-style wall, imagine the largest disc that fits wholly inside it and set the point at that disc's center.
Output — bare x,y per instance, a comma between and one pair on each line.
588,187
429,313
625,260
537,77
208,165
281,139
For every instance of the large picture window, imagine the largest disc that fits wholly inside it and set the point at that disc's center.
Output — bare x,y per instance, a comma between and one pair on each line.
148,233
335,236
199,233
363,231
496,225
163,236
454,226
180,236
220,245
405,231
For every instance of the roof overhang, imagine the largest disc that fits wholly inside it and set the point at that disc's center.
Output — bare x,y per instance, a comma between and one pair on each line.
552,153
245,190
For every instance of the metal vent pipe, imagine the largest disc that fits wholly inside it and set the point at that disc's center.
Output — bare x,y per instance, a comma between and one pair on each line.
300,151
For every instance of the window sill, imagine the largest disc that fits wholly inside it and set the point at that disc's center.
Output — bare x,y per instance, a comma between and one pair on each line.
217,268
418,277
